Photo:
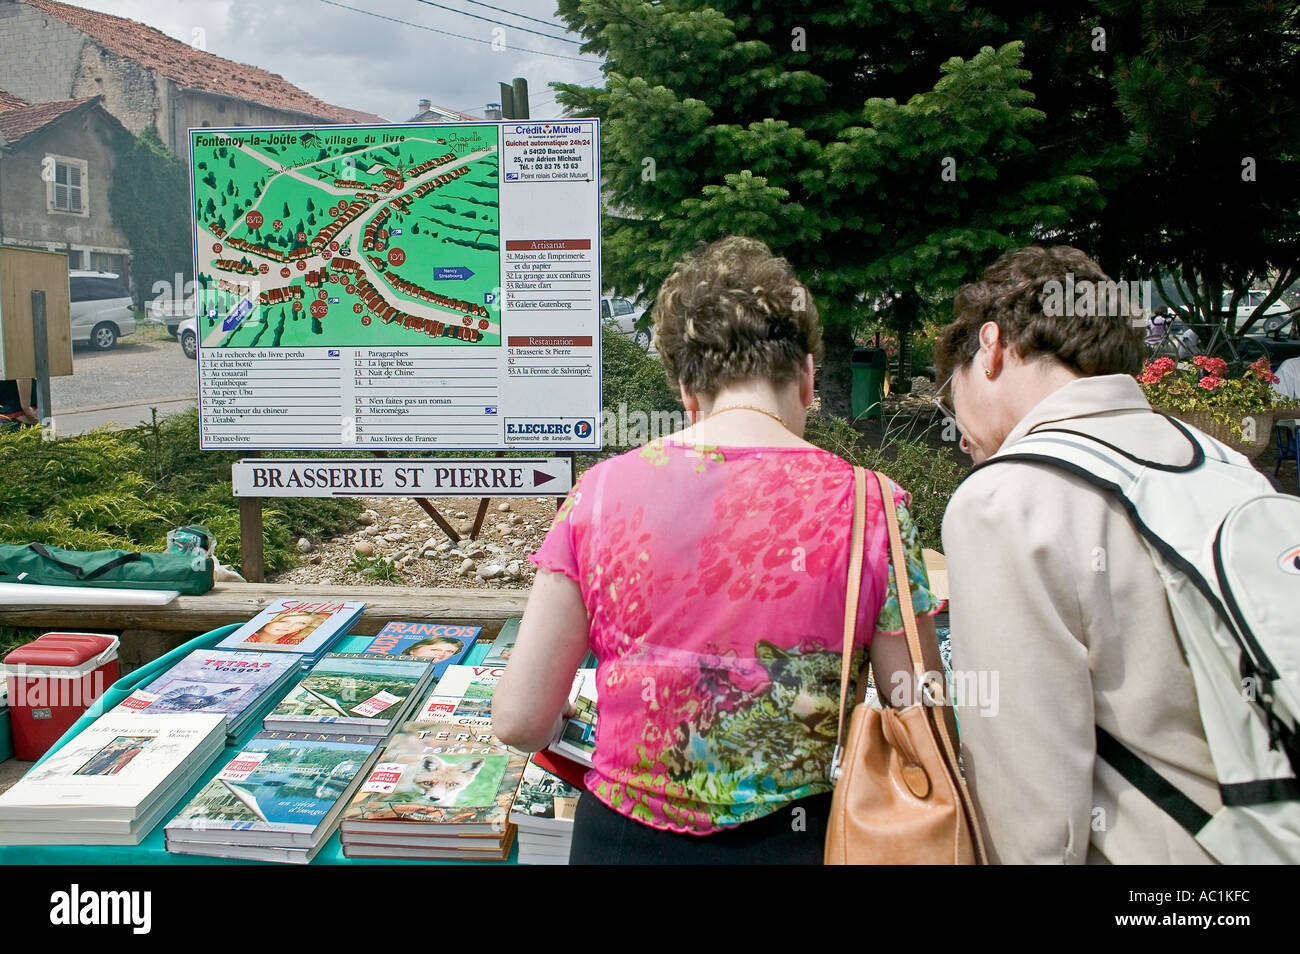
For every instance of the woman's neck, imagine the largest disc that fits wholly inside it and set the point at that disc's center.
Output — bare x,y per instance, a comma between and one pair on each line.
747,415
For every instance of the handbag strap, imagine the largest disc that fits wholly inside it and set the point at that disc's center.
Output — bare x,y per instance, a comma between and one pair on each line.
852,589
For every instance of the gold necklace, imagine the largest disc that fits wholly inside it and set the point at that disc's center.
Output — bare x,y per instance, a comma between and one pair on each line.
748,407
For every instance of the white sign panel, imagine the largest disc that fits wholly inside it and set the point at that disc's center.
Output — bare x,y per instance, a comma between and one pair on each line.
390,477
406,286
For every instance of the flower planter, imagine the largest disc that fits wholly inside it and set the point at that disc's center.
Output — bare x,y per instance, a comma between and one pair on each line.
1204,422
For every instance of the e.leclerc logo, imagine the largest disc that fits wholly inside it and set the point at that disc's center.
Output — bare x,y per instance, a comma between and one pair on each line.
582,430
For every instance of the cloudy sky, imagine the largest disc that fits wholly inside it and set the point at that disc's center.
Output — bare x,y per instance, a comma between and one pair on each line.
362,61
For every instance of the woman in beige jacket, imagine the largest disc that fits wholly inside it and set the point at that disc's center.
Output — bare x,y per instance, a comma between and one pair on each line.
1056,606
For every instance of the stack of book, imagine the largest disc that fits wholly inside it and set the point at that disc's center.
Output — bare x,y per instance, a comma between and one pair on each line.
367,694
303,628
543,812
112,783
239,685
440,790
279,799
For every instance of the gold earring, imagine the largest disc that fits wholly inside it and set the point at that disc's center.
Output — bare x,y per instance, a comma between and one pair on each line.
988,373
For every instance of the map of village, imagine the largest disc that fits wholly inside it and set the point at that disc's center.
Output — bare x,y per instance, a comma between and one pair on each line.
347,236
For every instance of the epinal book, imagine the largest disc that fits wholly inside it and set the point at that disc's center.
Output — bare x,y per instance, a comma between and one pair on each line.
282,790
577,738
353,692
229,682
463,691
291,625
453,777
119,767
442,644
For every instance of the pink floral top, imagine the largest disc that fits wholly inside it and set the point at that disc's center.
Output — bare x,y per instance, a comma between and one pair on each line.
714,580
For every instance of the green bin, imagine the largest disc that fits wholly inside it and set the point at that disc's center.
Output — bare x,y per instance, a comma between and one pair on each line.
869,366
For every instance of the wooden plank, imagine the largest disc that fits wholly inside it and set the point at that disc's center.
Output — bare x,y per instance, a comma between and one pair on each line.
236,602
936,568
22,271
252,563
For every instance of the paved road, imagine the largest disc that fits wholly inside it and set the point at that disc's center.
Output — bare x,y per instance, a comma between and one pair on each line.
119,387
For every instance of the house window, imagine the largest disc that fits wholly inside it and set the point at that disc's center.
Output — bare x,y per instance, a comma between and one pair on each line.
66,181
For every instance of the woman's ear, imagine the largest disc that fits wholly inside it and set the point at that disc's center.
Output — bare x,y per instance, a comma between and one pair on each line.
991,348
691,403
807,381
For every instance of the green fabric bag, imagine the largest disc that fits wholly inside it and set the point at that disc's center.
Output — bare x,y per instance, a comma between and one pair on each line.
190,573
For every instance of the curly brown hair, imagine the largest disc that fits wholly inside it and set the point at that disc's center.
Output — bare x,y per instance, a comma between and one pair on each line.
1013,294
732,311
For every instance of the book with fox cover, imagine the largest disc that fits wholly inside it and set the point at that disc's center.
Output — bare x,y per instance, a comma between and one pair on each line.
446,777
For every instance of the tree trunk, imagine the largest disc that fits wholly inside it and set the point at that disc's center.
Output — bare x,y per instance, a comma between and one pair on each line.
835,383
905,312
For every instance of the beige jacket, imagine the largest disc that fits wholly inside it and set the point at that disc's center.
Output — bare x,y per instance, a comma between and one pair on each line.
1059,621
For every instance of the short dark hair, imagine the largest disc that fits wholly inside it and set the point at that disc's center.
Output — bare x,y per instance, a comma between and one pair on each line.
732,311
1012,294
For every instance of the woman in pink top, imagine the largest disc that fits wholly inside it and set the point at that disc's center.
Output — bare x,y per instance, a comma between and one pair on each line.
707,572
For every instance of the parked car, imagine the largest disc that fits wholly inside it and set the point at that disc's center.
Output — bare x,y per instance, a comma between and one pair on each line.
188,336
169,312
627,319
102,311
1249,302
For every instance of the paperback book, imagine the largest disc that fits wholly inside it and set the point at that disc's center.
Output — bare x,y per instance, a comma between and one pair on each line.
438,779
503,645
441,644
283,792
577,738
544,802
365,693
230,682
114,781
303,627
463,691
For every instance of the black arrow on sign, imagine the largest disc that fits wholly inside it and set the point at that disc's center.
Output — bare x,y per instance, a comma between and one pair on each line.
541,477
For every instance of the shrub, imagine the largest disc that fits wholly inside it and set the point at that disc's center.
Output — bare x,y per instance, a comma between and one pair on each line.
125,489
929,474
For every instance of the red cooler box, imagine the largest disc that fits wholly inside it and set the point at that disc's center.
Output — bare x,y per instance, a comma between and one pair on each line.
52,682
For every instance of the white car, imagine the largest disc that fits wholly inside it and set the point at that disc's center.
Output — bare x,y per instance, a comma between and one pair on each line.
1249,302
102,310
189,338
624,315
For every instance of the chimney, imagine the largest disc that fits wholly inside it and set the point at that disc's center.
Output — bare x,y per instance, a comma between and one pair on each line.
423,107
492,111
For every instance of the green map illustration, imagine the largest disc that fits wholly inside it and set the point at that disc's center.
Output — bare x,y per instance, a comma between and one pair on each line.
347,236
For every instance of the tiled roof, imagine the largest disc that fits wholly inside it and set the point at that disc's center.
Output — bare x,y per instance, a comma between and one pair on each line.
196,69
25,120
10,101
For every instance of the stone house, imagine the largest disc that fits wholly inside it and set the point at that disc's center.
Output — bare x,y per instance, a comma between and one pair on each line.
52,52
56,165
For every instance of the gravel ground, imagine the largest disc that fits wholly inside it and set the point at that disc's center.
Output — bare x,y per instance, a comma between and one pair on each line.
405,548
146,365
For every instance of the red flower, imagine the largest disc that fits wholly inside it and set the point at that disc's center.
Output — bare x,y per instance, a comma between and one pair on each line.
1210,382
1216,367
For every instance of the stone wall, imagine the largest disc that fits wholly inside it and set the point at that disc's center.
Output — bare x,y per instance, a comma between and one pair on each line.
39,54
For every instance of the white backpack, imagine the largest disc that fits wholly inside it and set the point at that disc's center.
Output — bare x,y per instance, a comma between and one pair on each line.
1227,548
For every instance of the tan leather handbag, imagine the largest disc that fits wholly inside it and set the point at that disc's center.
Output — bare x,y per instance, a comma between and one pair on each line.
899,795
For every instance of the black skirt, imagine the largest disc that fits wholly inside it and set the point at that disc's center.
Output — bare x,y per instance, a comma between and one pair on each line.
793,835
